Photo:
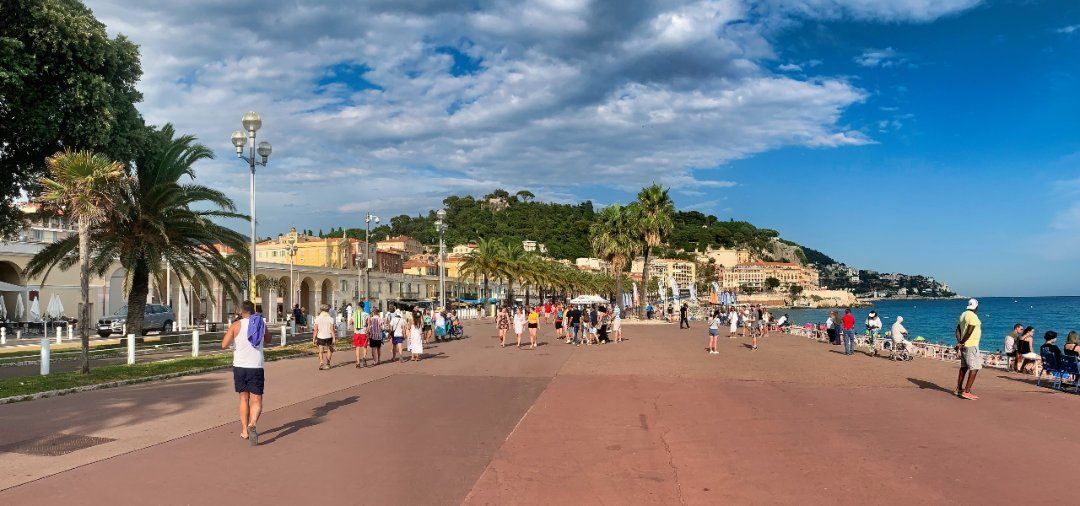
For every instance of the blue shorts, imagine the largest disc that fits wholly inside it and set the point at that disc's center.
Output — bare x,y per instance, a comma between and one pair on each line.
398,339
248,379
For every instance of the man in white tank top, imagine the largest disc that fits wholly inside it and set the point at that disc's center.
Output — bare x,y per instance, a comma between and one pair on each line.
248,377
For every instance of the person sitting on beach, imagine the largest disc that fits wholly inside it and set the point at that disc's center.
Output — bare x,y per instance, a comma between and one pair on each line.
1010,346
1024,349
1072,345
899,335
781,322
1050,346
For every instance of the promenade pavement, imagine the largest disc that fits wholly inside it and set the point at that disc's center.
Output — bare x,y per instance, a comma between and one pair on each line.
654,420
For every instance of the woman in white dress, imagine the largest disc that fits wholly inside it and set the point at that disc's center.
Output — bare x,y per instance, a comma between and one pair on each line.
416,338
519,324
733,323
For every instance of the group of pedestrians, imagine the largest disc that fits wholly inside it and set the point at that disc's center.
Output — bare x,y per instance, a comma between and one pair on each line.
578,324
753,321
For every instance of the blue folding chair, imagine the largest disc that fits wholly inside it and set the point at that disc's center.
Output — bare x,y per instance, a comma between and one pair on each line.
1070,367
1050,366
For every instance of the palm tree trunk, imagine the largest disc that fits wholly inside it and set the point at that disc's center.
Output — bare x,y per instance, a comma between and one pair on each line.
486,296
618,288
84,292
510,291
644,283
140,286
526,295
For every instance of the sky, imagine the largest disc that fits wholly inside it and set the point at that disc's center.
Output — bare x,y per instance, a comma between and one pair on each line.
937,137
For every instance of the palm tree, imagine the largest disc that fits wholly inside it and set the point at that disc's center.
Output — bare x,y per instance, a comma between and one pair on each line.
483,262
509,265
613,239
653,221
163,218
86,187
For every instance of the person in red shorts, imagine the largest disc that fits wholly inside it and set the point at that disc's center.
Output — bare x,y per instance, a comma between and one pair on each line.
359,321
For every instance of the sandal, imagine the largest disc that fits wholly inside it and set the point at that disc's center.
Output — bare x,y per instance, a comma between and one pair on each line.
254,435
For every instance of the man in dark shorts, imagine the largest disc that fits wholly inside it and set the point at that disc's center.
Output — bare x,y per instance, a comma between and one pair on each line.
683,320
375,335
575,325
249,334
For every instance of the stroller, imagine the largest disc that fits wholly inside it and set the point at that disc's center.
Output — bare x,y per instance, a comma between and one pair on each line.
454,328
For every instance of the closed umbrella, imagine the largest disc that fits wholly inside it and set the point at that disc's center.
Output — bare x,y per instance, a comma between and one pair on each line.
59,307
3,307
51,309
35,309
20,308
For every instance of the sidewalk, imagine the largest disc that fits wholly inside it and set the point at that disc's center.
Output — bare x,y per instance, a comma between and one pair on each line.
651,420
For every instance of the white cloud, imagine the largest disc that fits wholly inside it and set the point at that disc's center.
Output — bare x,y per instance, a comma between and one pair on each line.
1068,29
887,57
564,97
790,67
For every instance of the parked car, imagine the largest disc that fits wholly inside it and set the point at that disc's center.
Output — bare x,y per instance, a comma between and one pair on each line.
155,317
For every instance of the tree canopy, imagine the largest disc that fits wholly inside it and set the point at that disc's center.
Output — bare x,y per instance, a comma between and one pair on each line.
63,84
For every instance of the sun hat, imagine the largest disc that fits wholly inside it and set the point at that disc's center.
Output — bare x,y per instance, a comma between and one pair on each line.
972,304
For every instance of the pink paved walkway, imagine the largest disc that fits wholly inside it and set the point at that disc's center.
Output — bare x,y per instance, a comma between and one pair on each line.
651,421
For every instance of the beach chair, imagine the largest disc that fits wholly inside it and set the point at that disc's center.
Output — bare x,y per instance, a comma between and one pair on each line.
1050,366
1070,367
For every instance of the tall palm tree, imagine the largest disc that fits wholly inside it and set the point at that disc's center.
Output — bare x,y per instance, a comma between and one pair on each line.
163,218
509,264
86,187
483,262
653,221
613,239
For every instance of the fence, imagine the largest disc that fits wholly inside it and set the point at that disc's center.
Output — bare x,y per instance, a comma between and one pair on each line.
919,348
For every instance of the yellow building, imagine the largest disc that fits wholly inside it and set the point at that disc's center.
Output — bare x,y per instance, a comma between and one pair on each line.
402,243
725,258
684,271
754,274
332,253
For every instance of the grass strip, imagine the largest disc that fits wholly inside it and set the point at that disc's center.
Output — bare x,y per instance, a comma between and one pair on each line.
29,385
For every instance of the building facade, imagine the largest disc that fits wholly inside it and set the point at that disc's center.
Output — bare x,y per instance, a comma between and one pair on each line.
403,243
753,275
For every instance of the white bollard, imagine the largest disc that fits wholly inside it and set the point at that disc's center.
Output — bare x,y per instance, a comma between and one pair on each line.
131,349
3,335
194,343
45,356
58,334
18,334
124,332
175,327
70,332
283,335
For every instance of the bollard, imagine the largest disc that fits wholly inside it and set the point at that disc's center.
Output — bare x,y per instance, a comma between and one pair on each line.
3,335
293,331
283,335
194,343
124,332
18,334
58,335
45,356
175,327
131,349
70,335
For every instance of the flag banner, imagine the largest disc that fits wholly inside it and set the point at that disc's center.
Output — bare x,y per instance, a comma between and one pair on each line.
674,287
660,288
715,287
693,292
635,293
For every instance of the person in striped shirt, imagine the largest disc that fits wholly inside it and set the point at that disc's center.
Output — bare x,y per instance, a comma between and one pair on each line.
375,336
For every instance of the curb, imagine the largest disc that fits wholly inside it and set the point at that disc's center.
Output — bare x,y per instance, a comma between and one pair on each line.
120,383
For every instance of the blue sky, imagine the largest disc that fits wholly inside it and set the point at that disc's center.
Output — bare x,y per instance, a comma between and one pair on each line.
934,137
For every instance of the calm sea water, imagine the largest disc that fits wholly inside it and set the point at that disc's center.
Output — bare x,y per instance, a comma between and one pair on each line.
935,320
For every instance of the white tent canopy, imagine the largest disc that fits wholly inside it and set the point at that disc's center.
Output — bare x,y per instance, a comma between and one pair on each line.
588,299
8,287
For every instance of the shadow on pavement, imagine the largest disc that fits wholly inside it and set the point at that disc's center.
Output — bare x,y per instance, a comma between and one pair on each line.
295,425
926,385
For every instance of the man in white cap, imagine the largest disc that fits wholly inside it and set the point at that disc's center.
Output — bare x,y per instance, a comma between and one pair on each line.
968,332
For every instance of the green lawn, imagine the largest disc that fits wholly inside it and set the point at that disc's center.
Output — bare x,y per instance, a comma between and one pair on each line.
34,384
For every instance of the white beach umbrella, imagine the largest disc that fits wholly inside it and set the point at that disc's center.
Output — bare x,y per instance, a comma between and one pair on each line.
3,307
56,308
20,308
59,307
35,309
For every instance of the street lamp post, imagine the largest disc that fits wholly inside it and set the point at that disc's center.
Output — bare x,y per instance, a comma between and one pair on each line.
251,122
290,249
440,225
367,254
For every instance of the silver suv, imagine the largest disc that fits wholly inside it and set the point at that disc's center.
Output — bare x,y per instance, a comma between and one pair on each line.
155,317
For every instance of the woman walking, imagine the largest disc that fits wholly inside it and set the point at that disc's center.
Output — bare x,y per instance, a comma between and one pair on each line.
616,325
534,324
603,326
416,338
519,324
502,321
559,322
714,332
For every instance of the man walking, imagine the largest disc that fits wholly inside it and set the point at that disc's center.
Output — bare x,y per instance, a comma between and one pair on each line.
683,320
360,337
323,335
375,336
575,325
248,377
848,324
968,332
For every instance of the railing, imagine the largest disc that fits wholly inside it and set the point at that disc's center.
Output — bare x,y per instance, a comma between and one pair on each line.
918,348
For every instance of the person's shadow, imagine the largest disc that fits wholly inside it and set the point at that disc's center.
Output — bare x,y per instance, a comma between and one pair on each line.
318,412
926,385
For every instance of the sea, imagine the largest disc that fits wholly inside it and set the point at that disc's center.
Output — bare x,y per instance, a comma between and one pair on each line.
935,319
